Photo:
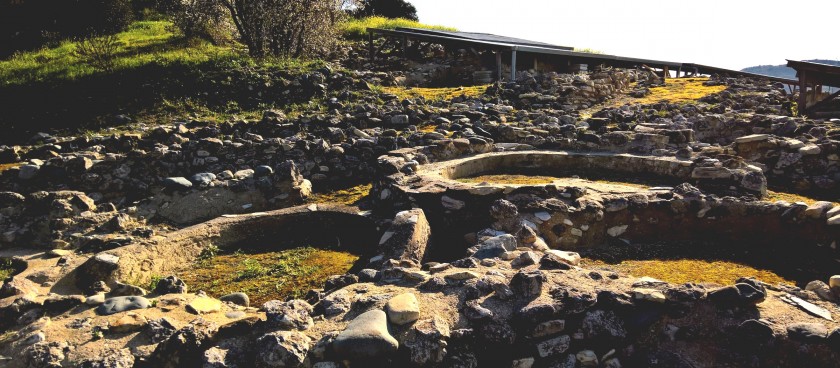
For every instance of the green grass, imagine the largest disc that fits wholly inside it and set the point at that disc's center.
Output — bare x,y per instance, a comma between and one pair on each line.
144,42
357,28
588,50
6,269
270,275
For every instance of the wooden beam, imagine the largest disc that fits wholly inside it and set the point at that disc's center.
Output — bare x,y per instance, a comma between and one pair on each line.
513,66
499,65
371,51
802,105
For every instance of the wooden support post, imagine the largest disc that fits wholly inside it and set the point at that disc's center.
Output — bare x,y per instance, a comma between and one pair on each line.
370,46
513,66
536,65
803,93
499,65
665,73
679,71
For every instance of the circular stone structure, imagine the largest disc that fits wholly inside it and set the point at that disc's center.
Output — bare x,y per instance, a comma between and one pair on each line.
328,226
702,199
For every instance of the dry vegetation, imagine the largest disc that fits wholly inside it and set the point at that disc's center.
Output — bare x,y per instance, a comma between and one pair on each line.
267,276
4,167
689,270
517,179
6,269
436,94
789,197
679,90
348,197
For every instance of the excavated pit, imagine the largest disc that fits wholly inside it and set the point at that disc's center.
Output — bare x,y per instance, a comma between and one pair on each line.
325,227
598,201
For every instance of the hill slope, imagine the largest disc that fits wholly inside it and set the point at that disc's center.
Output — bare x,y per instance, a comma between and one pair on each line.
782,71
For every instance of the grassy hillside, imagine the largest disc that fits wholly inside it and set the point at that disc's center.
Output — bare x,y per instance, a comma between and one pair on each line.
357,28
782,71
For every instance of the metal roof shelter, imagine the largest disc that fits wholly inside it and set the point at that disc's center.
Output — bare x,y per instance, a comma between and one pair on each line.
498,44
815,75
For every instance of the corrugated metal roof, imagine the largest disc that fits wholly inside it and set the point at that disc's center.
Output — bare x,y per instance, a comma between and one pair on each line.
486,37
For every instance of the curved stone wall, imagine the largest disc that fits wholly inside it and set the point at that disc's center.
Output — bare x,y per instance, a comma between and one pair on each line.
572,217
339,227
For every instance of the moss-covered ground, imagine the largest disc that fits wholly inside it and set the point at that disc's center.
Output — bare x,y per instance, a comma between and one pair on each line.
6,269
680,90
266,276
357,28
436,94
678,271
349,197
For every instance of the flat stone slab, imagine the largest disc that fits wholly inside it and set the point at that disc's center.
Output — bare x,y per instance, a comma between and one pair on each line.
122,304
366,337
204,305
752,138
403,309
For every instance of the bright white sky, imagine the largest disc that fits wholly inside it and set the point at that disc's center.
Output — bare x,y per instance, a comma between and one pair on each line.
731,34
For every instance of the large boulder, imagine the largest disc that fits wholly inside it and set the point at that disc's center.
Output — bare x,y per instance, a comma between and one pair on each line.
366,337
282,349
408,236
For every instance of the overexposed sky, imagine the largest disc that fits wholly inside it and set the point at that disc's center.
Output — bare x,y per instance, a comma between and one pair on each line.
731,34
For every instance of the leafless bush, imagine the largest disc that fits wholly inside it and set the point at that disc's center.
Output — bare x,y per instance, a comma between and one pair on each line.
288,28
98,51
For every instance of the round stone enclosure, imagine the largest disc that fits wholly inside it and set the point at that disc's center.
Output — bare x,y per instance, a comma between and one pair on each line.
575,216
662,170
326,226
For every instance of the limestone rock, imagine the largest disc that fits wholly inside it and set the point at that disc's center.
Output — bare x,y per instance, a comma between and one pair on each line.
807,332
527,284
282,349
410,235
292,315
366,337
428,341
130,322
240,299
403,309
184,348
122,304
555,346
170,285
204,305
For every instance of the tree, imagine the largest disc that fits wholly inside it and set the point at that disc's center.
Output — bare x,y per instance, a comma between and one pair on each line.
386,8
288,28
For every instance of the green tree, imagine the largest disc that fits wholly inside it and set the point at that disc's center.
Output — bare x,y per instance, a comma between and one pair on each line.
386,8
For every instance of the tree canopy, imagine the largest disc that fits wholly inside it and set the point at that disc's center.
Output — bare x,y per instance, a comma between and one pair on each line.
386,8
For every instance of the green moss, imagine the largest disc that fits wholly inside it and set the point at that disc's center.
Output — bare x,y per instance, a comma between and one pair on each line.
789,197
680,90
6,269
357,28
348,197
680,271
435,94
270,275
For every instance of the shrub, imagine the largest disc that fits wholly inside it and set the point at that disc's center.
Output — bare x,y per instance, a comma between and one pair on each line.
98,51
206,19
287,28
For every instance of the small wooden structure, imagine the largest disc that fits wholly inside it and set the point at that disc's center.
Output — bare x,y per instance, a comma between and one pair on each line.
816,76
